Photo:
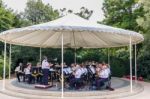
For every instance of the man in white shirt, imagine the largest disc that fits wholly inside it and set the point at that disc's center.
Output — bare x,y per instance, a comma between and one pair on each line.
84,70
103,76
77,77
92,69
19,72
45,70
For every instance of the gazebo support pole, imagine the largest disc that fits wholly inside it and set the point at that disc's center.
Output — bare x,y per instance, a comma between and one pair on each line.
108,57
62,62
135,65
131,87
4,67
40,55
9,61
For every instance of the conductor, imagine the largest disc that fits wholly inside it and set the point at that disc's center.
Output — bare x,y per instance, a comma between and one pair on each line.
45,70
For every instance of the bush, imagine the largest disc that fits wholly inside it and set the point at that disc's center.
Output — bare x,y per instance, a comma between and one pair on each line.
1,67
118,68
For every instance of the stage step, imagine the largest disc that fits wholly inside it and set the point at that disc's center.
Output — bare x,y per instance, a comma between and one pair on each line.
38,94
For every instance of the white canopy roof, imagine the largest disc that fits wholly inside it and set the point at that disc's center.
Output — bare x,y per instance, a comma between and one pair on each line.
77,32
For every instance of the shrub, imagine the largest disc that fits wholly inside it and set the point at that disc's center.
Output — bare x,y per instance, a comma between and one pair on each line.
1,67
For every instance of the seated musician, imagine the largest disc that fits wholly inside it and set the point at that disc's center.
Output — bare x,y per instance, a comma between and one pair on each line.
92,68
103,76
67,70
77,77
84,69
109,85
27,71
98,69
84,75
73,67
71,71
19,72
92,71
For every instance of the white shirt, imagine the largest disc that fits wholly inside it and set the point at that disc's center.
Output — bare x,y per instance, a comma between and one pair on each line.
17,69
84,70
45,64
27,70
92,69
73,68
78,73
69,70
105,73
65,71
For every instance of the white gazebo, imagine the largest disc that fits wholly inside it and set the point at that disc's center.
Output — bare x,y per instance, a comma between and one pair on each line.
74,32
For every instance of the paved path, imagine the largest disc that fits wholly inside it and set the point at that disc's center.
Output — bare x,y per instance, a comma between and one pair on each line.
143,95
3,96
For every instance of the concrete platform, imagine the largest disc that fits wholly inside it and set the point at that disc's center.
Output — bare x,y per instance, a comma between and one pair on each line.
122,89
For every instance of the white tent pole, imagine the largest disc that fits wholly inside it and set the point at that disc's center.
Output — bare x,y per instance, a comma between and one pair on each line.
108,57
40,54
62,62
9,61
4,68
135,65
131,87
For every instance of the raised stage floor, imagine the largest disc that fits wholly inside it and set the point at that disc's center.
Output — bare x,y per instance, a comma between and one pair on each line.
28,91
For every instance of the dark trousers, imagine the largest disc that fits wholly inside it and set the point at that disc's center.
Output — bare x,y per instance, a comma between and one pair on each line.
29,78
39,79
73,82
20,74
45,76
100,82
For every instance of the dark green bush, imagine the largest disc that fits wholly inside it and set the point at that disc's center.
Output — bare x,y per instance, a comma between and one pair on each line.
1,67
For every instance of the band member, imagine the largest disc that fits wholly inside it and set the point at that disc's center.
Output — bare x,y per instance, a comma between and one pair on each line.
45,70
103,76
77,77
98,69
67,70
27,71
73,67
19,72
84,69
91,72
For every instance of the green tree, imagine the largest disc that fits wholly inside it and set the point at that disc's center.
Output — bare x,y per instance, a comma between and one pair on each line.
123,14
144,57
35,12
6,17
20,21
84,12
38,12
